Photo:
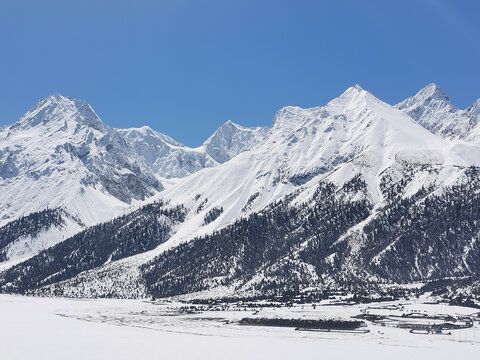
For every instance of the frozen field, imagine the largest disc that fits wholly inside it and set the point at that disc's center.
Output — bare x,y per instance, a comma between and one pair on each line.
40,328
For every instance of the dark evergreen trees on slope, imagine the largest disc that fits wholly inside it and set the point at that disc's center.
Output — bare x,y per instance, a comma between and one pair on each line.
212,215
427,236
134,233
238,252
30,225
289,246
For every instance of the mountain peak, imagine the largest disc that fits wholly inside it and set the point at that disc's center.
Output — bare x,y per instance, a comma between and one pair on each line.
56,97
147,135
355,89
432,109
433,91
59,108
289,117
352,98
231,139
475,108
229,124
228,129
430,95
353,92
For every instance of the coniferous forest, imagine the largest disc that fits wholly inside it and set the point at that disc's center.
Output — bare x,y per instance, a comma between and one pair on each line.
284,249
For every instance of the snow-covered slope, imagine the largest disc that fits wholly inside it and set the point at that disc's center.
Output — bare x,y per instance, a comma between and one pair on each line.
366,159
166,157
432,109
231,139
171,159
354,133
60,154
27,236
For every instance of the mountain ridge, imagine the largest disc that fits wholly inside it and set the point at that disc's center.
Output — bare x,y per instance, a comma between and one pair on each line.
60,154
326,194
432,109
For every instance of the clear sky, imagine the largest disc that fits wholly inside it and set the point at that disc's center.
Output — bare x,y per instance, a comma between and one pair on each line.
184,67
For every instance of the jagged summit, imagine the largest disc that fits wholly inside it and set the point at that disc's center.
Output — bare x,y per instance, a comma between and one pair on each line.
345,184
59,109
144,132
354,96
60,154
227,126
432,109
231,139
57,98
433,91
475,108
355,89
54,97
352,99
230,123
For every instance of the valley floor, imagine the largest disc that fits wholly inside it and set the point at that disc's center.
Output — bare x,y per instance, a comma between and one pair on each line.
46,328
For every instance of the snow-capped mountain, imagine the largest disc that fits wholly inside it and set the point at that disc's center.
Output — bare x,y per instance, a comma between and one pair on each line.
231,139
435,112
355,133
61,155
320,189
355,193
166,157
171,159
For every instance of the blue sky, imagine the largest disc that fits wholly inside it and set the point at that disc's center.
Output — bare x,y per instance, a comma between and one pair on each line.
184,67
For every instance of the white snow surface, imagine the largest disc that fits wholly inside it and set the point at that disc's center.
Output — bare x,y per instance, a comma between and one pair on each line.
231,139
171,159
45,160
432,108
61,155
27,246
43,328
355,133
165,156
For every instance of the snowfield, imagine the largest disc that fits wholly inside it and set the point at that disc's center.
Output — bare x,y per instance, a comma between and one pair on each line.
47,328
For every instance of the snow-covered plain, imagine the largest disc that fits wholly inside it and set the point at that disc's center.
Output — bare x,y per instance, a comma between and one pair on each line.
47,328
